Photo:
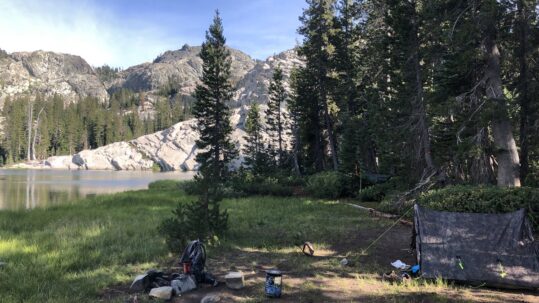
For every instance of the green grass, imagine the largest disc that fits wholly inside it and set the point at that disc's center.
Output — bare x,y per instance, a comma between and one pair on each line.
73,253
70,253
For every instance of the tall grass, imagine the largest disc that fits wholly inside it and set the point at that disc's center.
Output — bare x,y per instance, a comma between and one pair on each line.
70,253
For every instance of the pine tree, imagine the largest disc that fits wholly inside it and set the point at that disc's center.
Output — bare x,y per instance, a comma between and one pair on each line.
254,150
210,108
317,49
274,117
203,219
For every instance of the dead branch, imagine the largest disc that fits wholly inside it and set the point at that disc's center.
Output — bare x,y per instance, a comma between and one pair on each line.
375,213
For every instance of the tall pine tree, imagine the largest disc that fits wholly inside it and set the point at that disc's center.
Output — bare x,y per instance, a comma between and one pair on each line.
210,108
254,150
274,116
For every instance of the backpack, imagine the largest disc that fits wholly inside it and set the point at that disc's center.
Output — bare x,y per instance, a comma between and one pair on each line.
195,253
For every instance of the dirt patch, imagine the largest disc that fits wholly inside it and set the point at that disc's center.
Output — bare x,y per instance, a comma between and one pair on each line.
322,278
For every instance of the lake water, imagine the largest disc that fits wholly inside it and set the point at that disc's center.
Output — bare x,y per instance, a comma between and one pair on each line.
27,189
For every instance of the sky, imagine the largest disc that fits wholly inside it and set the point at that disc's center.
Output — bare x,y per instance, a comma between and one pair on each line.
122,33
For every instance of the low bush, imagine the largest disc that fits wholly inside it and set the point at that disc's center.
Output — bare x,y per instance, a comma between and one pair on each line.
246,183
378,192
329,184
484,199
375,193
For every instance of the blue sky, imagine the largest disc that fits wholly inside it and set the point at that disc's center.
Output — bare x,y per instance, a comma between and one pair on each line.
128,32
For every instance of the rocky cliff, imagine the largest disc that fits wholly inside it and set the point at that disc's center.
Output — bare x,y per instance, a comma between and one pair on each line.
48,73
70,76
171,149
253,87
181,67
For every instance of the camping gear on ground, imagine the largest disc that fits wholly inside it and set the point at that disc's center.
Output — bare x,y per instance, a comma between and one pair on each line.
235,280
391,277
152,278
274,283
164,293
186,267
398,264
308,249
490,249
415,269
195,254
140,283
183,283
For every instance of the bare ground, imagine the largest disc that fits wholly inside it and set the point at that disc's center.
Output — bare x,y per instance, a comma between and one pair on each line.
322,279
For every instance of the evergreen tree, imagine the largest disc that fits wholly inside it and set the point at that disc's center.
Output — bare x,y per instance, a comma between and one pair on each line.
210,108
316,28
274,117
254,150
203,219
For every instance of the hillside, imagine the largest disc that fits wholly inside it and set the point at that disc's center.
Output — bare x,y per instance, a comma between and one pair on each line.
70,76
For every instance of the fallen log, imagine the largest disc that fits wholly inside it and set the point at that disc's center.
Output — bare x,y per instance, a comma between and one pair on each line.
375,213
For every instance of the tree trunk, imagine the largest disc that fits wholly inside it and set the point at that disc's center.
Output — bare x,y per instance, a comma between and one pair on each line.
419,102
280,133
29,129
296,150
524,98
327,119
504,142
35,134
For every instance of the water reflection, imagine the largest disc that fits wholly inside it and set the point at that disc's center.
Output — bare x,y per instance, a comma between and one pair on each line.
28,189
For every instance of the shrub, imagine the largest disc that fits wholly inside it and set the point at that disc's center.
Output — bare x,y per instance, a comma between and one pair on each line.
379,192
329,184
484,199
200,219
246,183
374,193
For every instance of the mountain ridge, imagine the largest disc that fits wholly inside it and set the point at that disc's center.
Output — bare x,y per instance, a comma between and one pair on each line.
48,73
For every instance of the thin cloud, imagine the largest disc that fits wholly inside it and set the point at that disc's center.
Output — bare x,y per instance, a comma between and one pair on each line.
127,32
79,29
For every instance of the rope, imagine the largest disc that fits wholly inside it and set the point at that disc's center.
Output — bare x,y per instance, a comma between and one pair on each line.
382,234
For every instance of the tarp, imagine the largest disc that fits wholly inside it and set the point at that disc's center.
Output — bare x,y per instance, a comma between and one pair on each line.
491,249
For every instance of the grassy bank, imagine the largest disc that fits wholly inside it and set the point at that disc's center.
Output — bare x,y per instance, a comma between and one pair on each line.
90,251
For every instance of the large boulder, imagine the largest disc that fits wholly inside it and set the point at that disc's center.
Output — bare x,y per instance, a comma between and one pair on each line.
115,156
61,162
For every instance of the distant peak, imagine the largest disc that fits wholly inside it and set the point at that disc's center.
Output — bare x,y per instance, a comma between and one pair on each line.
185,47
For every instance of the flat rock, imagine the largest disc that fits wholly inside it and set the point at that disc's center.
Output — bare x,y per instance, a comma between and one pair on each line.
211,298
164,293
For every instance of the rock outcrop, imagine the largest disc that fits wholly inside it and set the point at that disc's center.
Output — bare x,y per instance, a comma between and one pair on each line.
70,76
48,73
172,149
254,86
182,68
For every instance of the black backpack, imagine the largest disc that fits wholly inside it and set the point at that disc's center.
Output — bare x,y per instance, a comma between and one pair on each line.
195,253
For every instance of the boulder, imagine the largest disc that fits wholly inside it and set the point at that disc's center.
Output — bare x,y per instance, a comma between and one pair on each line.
211,298
164,293
235,280
61,162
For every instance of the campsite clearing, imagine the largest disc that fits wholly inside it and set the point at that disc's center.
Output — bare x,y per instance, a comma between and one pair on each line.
91,251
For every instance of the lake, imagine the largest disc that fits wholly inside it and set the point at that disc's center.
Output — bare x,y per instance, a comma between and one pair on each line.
28,189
